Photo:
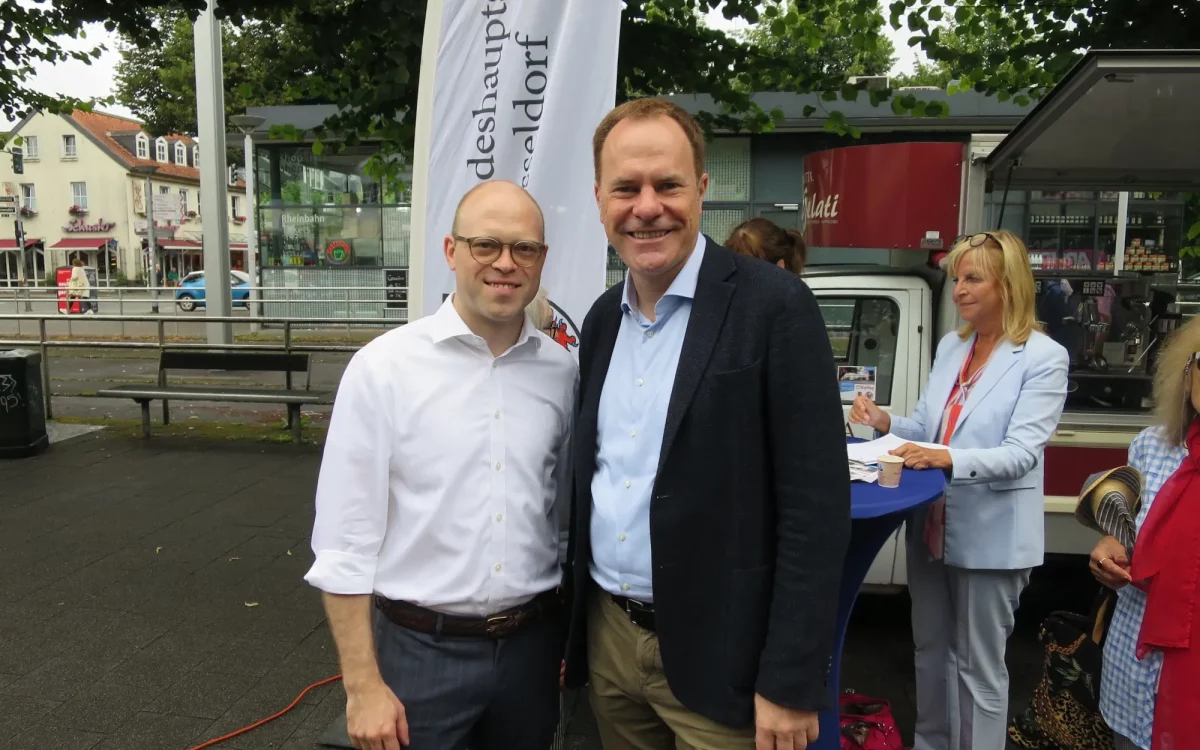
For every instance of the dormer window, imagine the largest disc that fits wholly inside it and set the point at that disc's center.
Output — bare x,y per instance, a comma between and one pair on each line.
180,153
143,146
160,150
196,157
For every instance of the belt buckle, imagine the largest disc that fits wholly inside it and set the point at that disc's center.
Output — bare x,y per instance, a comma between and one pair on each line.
633,606
495,623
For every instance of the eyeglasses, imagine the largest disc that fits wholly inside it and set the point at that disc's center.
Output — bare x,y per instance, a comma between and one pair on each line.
976,240
487,250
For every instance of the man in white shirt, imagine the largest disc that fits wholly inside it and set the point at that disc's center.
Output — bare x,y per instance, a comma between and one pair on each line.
436,504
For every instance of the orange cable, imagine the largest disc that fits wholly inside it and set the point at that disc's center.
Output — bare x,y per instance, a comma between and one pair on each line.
258,724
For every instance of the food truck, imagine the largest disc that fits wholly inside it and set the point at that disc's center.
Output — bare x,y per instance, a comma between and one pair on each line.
1094,164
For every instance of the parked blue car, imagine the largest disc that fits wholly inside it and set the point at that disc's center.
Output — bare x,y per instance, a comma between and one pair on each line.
190,293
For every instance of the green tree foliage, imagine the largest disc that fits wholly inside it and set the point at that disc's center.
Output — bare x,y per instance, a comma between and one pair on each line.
364,55
838,53
158,82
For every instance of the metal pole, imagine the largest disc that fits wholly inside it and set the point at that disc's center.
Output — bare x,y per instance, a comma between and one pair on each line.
1122,218
421,153
45,367
210,115
251,232
151,247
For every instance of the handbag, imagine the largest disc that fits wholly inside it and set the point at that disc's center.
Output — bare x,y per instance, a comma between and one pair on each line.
867,723
1064,713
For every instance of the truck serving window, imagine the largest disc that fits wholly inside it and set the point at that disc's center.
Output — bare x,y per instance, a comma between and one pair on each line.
863,333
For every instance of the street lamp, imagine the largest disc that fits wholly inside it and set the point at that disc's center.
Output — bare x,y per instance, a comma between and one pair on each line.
147,170
247,124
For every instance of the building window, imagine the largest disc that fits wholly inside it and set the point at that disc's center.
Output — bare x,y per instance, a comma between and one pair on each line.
28,197
160,149
235,205
196,158
164,190
79,194
143,146
180,153
31,147
68,144
183,202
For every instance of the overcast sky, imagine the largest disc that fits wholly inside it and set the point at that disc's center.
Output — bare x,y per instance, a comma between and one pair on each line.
96,80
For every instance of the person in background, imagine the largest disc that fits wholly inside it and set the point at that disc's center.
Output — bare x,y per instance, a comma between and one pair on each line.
435,505
995,393
541,313
79,288
1141,697
763,239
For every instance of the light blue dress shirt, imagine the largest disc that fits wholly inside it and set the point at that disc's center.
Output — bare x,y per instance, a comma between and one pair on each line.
632,418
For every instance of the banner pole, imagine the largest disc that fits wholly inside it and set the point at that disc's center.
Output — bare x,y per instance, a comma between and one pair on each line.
421,150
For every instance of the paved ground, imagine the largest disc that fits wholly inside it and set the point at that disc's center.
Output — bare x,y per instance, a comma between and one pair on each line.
151,597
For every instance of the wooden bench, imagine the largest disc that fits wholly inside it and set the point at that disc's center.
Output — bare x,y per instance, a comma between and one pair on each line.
227,361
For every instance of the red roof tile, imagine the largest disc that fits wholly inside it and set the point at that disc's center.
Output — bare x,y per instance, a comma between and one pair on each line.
104,126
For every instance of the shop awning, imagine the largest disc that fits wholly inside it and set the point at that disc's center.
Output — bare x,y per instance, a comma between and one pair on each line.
82,243
1120,119
238,245
12,244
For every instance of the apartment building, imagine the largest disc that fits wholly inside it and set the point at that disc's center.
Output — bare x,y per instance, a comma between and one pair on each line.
81,195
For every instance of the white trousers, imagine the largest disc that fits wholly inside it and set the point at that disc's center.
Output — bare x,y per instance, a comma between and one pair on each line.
961,621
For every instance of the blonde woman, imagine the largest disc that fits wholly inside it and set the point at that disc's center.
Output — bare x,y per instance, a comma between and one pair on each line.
540,312
1130,687
994,397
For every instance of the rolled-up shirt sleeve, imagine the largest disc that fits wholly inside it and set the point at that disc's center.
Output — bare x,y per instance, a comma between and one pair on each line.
353,487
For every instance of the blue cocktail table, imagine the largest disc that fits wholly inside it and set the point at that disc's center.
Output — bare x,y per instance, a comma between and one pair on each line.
876,514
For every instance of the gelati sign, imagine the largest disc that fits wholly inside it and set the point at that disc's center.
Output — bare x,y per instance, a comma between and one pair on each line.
896,196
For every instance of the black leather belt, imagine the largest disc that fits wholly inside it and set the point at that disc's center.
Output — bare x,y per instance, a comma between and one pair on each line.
500,625
640,613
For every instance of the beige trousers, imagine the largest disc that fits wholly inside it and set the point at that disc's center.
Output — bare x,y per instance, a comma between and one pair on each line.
628,692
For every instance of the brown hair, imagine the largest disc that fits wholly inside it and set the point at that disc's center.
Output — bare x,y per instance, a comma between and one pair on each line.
764,239
646,109
78,262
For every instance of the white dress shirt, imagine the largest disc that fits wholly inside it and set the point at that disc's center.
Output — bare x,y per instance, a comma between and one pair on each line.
441,469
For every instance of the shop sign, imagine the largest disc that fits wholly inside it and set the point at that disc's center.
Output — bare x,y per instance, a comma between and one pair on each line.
78,225
896,196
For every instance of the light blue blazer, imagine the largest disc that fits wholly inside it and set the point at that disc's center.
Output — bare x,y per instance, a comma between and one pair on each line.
994,500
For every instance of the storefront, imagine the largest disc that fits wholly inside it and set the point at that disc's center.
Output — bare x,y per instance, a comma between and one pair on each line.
1106,204
10,262
101,253
332,241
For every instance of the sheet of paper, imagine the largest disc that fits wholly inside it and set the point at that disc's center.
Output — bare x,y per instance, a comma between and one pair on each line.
869,452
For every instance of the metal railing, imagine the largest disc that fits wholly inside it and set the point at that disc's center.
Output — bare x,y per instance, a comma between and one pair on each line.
287,344
132,301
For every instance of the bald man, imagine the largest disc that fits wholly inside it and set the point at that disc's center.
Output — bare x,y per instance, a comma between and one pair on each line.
436,506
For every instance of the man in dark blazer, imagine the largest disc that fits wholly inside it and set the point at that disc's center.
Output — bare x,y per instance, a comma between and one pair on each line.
711,500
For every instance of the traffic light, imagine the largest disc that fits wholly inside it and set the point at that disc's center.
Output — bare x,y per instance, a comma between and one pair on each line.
18,162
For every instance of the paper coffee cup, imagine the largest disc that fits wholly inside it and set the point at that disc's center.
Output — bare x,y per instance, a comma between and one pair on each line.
889,470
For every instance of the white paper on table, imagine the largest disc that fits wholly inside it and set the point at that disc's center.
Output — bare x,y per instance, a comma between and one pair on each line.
860,473
869,452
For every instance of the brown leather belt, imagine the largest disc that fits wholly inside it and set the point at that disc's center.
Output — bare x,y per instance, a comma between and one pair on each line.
499,625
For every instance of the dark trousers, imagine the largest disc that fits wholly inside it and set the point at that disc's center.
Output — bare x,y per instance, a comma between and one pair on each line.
474,692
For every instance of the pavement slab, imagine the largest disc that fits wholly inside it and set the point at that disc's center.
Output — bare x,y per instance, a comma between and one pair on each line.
152,597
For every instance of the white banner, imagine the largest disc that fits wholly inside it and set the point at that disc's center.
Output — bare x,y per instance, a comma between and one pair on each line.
519,87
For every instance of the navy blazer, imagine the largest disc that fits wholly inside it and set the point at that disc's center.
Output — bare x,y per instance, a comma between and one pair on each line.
750,511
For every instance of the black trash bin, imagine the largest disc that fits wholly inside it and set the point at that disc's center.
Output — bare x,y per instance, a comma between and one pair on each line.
22,414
